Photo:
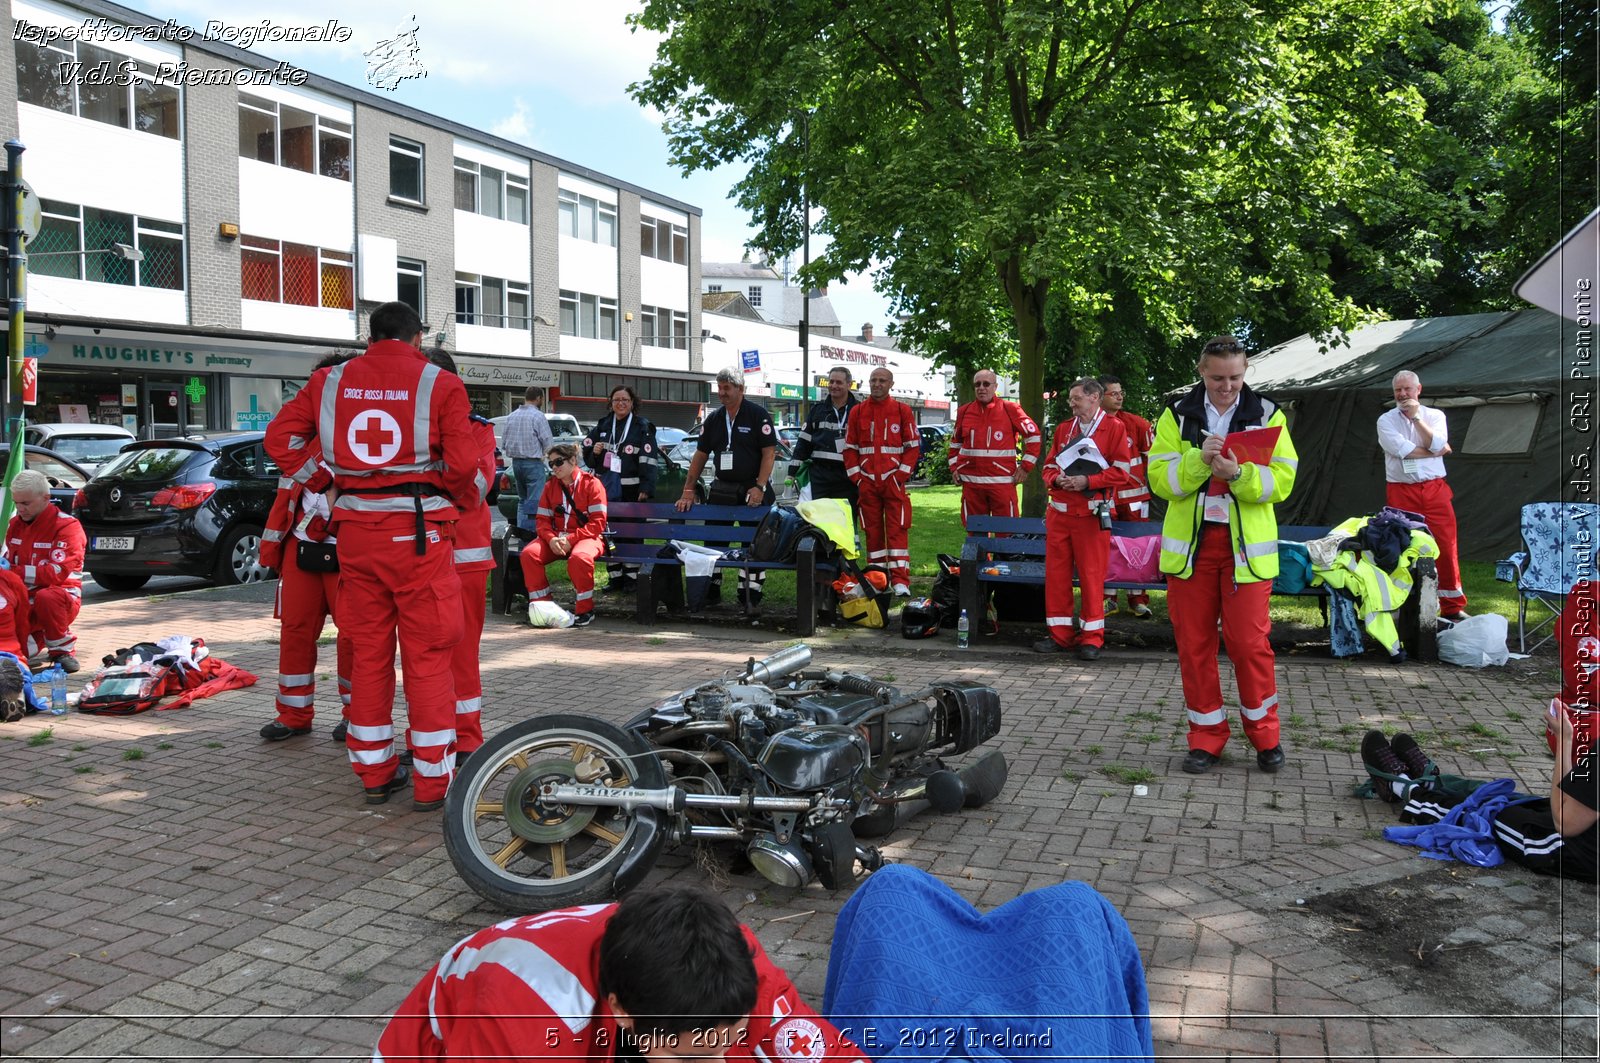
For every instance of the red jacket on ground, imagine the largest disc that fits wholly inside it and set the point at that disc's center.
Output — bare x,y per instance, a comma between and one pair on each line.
1112,442
983,442
48,551
529,989
881,442
381,398
557,518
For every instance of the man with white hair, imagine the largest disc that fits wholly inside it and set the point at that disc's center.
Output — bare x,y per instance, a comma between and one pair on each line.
1415,440
46,549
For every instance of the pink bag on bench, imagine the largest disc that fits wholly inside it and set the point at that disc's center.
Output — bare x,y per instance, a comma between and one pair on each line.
1134,559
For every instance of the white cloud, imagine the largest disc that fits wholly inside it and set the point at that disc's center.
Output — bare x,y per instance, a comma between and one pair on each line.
514,126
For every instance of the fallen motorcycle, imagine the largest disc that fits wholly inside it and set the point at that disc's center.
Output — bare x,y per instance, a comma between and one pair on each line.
791,762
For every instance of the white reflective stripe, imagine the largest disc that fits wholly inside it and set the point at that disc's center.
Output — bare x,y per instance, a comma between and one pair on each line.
432,738
371,756
422,413
1093,625
396,504
1453,593
381,733
1208,719
469,705
481,484
1253,714
305,472
865,450
296,443
987,480
296,679
1032,439
1293,463
1131,492
1124,466
344,696
284,483
1266,483
433,769
544,511
827,455
1060,507
598,507
1271,702
474,553
28,573
562,993
296,701
991,453
1166,455
427,466
1058,621
272,535
583,596
539,595
627,481
344,683
1266,549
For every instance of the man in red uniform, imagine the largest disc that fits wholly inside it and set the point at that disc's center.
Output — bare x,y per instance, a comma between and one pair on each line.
572,525
1087,464
390,432
474,561
1133,501
46,549
305,600
881,446
983,450
668,976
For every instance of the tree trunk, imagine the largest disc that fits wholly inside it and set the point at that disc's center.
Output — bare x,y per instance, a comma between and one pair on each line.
1027,307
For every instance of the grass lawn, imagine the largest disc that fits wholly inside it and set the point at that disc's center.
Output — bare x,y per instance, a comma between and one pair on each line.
936,528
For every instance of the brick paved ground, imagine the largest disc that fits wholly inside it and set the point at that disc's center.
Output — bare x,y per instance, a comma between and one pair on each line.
175,888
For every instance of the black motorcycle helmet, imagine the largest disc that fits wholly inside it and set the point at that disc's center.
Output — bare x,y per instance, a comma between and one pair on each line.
919,618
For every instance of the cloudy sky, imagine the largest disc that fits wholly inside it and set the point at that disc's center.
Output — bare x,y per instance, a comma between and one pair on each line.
551,75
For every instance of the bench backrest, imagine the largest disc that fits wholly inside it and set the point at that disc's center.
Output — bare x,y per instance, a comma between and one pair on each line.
1004,534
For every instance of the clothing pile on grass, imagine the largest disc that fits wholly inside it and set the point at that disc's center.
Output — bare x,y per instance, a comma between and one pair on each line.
169,673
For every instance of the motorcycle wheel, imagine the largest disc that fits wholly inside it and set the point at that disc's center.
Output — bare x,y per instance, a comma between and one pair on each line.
528,856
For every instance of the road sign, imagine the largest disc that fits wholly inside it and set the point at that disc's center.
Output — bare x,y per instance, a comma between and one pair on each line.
30,381
254,419
751,360
32,214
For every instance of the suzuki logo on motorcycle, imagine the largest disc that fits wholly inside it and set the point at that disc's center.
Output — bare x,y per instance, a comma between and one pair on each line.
374,437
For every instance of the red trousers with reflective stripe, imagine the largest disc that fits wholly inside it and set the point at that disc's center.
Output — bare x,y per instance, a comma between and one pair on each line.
1075,544
464,661
886,524
1436,502
580,570
1194,604
988,500
305,602
52,611
388,593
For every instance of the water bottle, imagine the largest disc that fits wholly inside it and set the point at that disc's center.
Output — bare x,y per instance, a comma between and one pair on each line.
963,632
57,678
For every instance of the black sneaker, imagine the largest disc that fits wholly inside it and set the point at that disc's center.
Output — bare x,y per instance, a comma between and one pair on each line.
277,732
583,620
1378,755
1198,762
1410,754
379,795
341,731
1270,760
68,663
1049,646
427,806
1087,652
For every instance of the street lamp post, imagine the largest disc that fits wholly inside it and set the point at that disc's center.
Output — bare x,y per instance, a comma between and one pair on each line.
805,263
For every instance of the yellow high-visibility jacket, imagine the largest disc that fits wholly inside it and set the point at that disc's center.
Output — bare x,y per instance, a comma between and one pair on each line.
1178,475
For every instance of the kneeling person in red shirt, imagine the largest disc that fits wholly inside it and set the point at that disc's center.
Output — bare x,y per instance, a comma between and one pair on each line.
572,525
666,975
46,548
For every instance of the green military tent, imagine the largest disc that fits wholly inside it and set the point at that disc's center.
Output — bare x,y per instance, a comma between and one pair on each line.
1505,382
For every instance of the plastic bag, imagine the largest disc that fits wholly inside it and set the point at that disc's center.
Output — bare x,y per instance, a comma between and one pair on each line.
545,613
1475,642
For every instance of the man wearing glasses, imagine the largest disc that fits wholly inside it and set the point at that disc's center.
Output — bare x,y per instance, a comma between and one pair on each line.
983,450
571,525
1133,501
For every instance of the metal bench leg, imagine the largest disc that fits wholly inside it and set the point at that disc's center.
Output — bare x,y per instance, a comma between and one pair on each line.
805,591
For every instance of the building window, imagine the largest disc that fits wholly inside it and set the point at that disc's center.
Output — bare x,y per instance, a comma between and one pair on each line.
660,327
753,294
282,135
663,239
591,316
273,271
491,192
76,242
492,302
586,218
405,170
54,76
409,283
713,288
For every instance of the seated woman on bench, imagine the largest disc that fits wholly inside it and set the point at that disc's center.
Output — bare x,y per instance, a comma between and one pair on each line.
571,524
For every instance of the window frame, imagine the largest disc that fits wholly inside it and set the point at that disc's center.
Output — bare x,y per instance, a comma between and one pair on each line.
143,77
289,254
403,269
321,128
143,235
402,146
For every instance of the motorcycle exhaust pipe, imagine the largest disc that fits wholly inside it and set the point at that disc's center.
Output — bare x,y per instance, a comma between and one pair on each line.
668,799
778,665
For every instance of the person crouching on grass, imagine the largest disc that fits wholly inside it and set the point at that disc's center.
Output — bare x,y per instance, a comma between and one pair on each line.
571,524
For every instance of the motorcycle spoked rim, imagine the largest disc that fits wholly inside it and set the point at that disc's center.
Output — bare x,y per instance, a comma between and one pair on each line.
479,783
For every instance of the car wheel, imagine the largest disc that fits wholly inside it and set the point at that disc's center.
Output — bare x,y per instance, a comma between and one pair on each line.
239,557
119,581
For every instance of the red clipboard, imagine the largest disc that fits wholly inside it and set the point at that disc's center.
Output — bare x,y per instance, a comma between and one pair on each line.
1254,445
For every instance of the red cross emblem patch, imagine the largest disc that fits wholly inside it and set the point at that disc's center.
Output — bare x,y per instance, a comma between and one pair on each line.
374,437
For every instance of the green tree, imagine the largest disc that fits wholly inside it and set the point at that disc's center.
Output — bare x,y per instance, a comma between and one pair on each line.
1015,153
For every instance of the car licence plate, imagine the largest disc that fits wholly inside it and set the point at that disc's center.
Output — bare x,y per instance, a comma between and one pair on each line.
112,542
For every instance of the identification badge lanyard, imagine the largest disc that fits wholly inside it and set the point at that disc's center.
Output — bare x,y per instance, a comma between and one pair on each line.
614,459
839,419
725,459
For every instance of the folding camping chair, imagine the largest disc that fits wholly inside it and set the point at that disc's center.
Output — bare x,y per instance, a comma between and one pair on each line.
1558,540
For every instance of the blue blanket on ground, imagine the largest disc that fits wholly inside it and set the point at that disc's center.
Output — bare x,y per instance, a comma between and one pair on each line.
1466,833
918,973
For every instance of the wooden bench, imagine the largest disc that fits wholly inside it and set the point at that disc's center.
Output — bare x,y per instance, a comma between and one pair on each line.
638,531
1012,550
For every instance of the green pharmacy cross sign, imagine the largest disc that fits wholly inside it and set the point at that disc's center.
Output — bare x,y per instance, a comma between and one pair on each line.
196,390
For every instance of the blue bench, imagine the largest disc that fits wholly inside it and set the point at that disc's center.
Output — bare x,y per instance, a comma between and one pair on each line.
638,531
1012,550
